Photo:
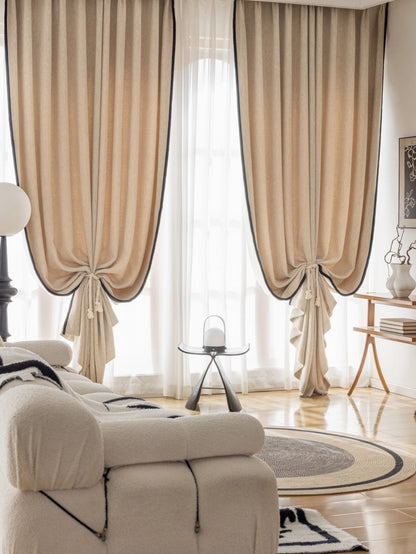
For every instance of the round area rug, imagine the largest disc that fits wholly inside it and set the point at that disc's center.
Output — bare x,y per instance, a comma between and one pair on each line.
308,461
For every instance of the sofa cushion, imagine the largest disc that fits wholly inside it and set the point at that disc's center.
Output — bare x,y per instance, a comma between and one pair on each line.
80,384
137,441
48,439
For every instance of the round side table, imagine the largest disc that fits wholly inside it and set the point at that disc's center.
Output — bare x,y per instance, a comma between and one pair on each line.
214,353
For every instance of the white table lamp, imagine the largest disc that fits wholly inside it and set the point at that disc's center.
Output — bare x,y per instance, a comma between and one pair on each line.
14,215
214,337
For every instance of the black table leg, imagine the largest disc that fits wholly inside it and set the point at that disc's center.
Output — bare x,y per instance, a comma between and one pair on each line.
232,400
192,403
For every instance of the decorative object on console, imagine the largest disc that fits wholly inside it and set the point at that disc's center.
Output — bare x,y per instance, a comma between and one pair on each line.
214,346
14,215
402,325
400,283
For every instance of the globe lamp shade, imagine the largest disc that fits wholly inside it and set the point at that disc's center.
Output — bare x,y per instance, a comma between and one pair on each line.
14,209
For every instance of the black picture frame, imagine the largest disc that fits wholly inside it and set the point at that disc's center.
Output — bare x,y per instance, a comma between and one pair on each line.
407,182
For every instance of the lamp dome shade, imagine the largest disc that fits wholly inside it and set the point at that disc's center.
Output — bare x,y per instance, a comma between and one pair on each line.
14,209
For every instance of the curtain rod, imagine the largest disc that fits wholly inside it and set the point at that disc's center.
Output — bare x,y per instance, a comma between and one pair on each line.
349,4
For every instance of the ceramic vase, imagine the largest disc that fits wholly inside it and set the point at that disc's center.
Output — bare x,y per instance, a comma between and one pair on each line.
400,283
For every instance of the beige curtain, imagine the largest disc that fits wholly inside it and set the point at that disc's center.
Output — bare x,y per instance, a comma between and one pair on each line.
310,87
90,84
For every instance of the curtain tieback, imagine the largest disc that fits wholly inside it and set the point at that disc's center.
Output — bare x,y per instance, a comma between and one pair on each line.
97,306
312,291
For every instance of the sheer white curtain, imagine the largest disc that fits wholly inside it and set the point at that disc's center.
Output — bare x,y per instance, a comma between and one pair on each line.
203,262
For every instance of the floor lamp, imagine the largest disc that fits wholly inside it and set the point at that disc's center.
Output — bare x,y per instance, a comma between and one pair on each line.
14,215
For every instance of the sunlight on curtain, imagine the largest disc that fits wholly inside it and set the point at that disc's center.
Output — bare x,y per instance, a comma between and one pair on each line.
203,258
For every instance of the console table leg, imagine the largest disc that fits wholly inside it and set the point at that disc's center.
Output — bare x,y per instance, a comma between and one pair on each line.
378,367
360,369
369,340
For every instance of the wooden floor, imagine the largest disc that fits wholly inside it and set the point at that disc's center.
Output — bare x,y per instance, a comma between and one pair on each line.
383,519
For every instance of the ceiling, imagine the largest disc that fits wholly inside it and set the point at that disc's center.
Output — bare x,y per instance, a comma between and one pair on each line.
355,4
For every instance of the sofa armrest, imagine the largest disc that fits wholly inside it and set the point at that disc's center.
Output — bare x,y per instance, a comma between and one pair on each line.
138,441
48,440
54,352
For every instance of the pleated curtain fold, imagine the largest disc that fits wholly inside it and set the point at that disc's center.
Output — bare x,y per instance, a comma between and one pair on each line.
310,89
90,87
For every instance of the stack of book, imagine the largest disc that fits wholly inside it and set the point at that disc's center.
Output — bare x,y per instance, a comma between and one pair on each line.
401,325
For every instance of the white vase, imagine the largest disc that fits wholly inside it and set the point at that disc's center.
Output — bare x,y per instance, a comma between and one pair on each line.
400,283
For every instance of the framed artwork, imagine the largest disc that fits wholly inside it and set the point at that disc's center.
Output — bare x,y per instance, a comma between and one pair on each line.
407,182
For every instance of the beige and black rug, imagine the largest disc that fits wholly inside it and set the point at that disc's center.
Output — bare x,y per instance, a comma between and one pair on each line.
308,461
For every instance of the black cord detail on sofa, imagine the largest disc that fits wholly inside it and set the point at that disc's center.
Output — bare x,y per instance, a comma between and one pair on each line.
143,407
17,377
100,535
197,526
122,398
106,479
44,369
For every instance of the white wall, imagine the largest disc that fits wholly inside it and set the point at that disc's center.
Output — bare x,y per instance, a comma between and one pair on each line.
399,120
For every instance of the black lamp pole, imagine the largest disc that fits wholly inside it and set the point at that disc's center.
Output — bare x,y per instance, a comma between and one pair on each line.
6,291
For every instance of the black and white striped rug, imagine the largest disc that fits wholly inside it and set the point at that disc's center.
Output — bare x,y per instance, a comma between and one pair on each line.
305,531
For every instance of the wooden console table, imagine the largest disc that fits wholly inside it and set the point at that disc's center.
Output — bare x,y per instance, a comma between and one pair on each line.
372,331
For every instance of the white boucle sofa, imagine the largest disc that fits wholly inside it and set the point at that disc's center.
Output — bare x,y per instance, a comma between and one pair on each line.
86,471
